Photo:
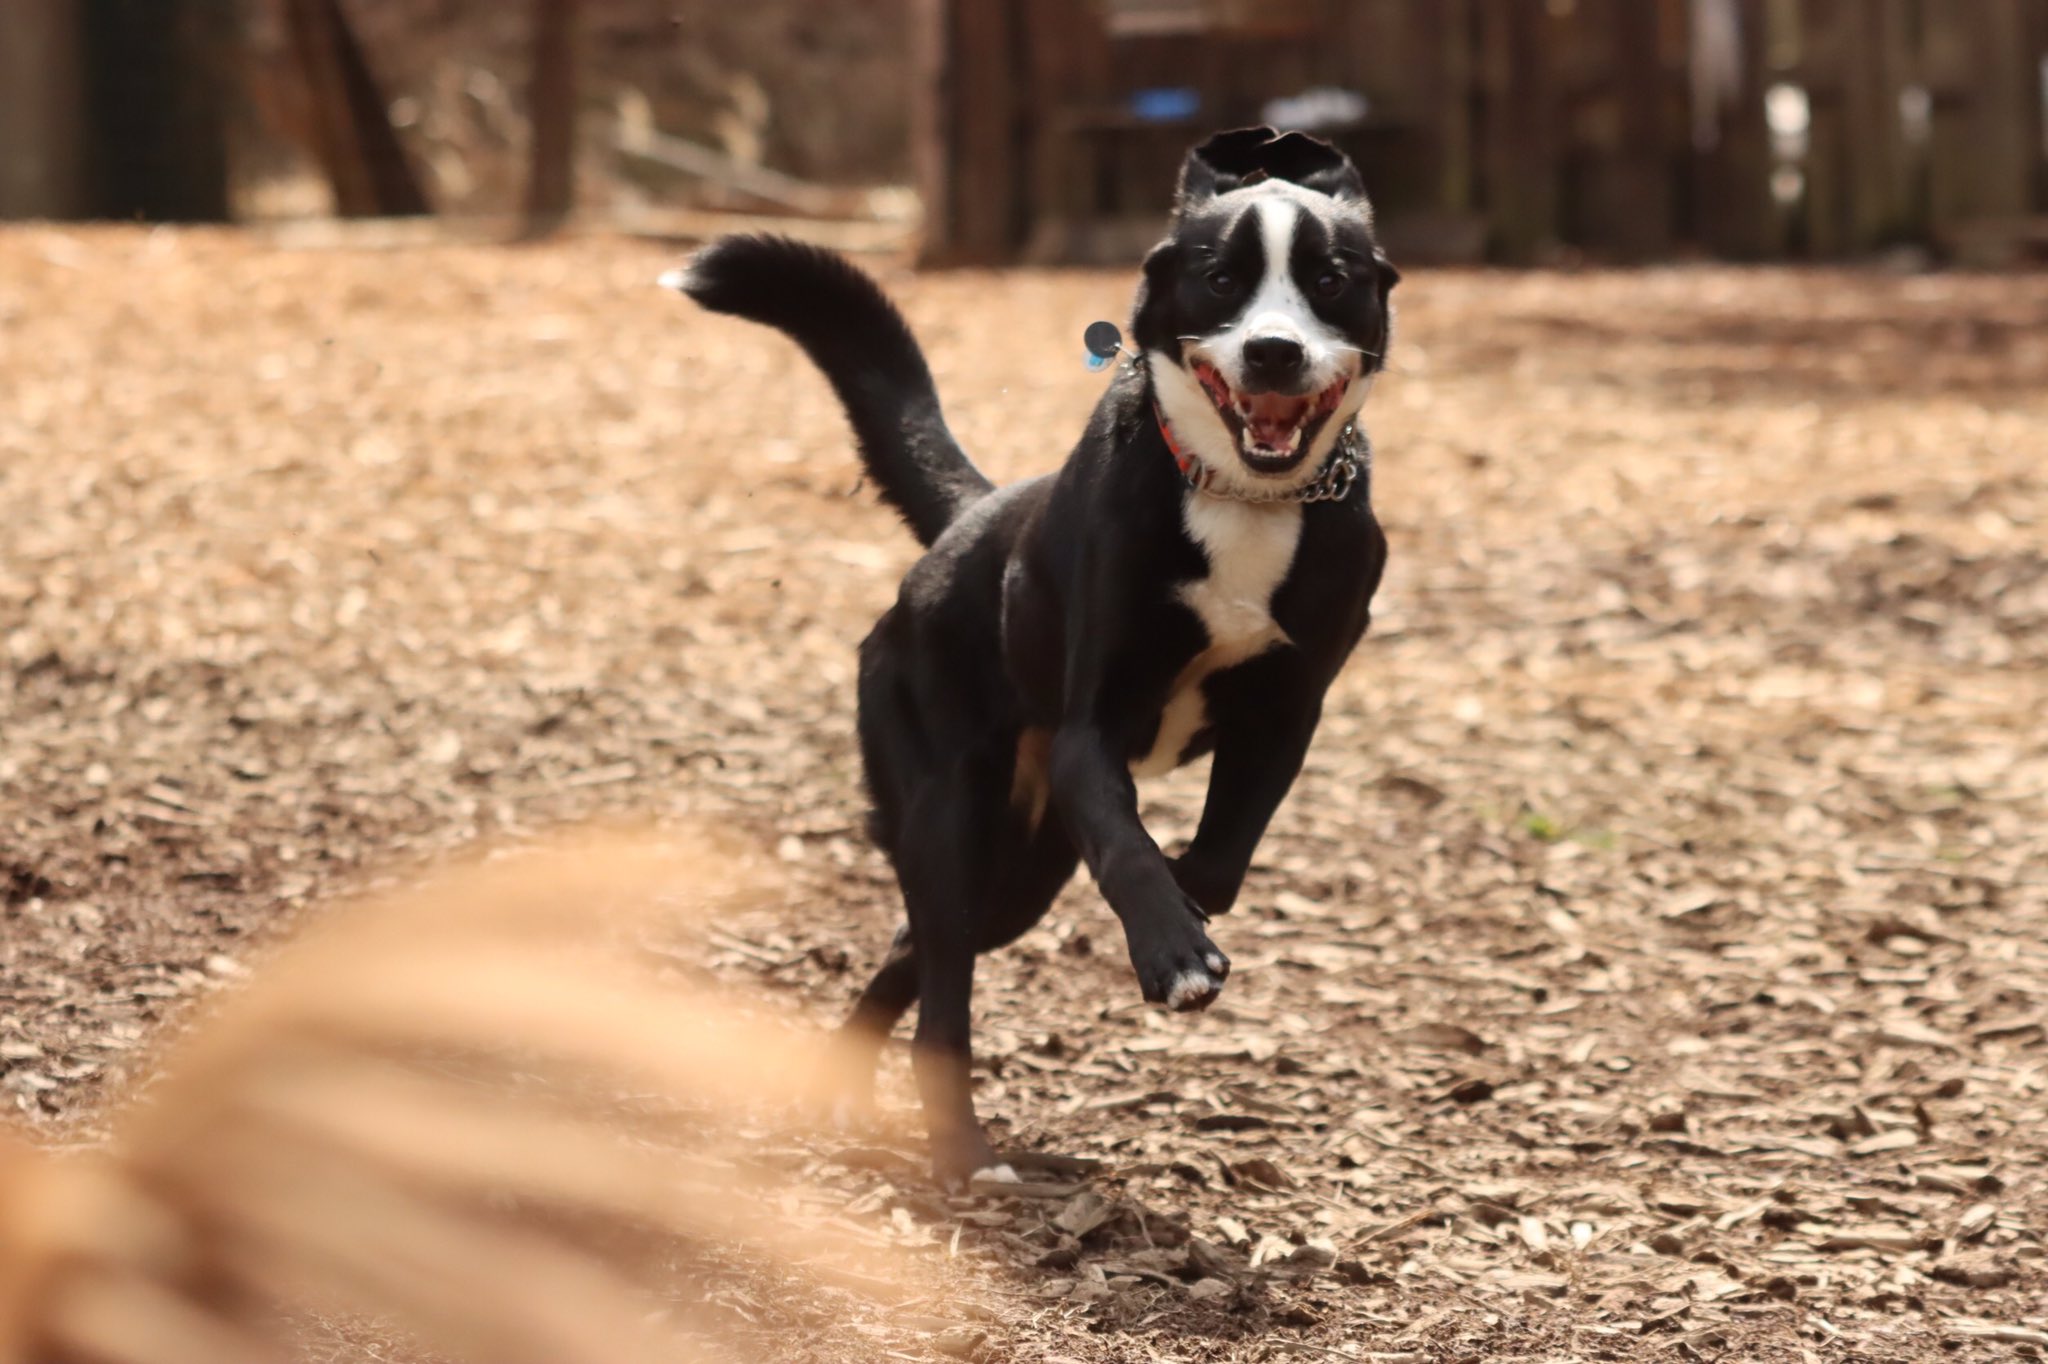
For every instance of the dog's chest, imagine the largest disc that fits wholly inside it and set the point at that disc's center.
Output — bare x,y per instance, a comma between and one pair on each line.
1249,548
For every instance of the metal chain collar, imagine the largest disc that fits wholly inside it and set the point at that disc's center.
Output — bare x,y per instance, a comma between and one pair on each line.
1351,461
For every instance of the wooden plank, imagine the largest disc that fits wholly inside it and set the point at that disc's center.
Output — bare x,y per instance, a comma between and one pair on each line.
1823,220
1877,65
1068,71
1624,203
988,172
1519,131
931,125
551,107
1413,59
972,124
1448,26
156,102
2034,41
42,110
1734,213
1983,79
352,134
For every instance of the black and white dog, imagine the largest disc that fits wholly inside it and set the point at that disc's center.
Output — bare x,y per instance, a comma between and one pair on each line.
1189,582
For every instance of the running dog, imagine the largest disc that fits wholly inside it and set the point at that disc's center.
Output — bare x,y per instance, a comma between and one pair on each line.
1189,582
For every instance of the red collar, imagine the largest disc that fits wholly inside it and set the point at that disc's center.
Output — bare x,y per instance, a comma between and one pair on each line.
1196,473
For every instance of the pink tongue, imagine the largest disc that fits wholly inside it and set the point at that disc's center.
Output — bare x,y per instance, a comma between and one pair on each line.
1272,418
1273,435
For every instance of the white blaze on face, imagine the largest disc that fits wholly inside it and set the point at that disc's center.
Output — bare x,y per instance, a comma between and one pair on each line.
1279,308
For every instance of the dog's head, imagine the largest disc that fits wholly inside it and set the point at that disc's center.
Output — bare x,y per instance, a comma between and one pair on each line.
1263,316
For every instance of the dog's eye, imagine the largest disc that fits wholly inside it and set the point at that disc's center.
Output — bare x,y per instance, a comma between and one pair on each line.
1330,283
1222,283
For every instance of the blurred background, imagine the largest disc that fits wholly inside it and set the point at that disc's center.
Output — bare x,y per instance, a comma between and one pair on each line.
1048,131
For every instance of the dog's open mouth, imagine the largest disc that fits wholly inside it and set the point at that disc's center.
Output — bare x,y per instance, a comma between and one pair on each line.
1273,430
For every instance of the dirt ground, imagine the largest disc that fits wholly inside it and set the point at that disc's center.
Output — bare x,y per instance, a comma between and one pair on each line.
1649,963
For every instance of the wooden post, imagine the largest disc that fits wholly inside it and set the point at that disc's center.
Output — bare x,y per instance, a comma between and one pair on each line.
1736,214
1625,202
1449,26
352,133
42,110
551,107
1821,73
969,152
1520,134
156,75
1068,81
931,28
2034,43
1413,61
1985,81
1876,68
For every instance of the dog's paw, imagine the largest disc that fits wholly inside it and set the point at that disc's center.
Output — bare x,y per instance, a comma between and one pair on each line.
1184,973
1004,1173
959,1159
1192,990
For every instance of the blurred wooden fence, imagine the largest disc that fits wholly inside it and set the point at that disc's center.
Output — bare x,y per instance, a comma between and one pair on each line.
113,108
125,108
1505,129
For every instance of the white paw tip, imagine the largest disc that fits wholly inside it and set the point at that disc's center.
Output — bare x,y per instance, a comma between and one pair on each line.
1190,986
996,1174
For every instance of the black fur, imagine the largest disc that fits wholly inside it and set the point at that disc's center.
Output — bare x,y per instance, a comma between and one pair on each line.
1031,653
1245,156
855,335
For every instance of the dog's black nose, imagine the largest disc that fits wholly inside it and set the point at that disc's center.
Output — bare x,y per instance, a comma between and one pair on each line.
1274,361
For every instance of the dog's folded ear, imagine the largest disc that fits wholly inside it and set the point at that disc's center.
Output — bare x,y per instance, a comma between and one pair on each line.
1246,156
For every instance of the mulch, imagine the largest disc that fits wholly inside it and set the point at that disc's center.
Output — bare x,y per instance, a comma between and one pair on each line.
1649,964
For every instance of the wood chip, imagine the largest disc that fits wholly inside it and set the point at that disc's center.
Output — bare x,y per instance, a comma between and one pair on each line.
1898,1139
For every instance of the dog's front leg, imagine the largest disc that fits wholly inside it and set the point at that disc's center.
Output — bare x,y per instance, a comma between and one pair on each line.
1092,789
1265,712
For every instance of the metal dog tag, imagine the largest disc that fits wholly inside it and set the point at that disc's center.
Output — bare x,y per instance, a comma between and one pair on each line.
1103,341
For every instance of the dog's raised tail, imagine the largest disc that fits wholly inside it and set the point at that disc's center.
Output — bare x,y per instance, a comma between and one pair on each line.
854,334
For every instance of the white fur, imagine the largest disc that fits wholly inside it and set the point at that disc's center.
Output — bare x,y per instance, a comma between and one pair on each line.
1249,546
996,1174
1277,308
1190,986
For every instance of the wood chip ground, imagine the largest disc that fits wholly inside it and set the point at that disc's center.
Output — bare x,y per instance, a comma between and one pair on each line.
1649,965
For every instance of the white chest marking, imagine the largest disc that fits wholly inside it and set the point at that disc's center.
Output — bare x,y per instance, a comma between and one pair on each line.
1250,547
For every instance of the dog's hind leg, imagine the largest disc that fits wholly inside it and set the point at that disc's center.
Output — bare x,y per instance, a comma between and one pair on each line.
1007,875
860,1039
946,873
943,1055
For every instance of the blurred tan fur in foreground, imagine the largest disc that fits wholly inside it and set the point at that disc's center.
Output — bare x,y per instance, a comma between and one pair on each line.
395,1120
